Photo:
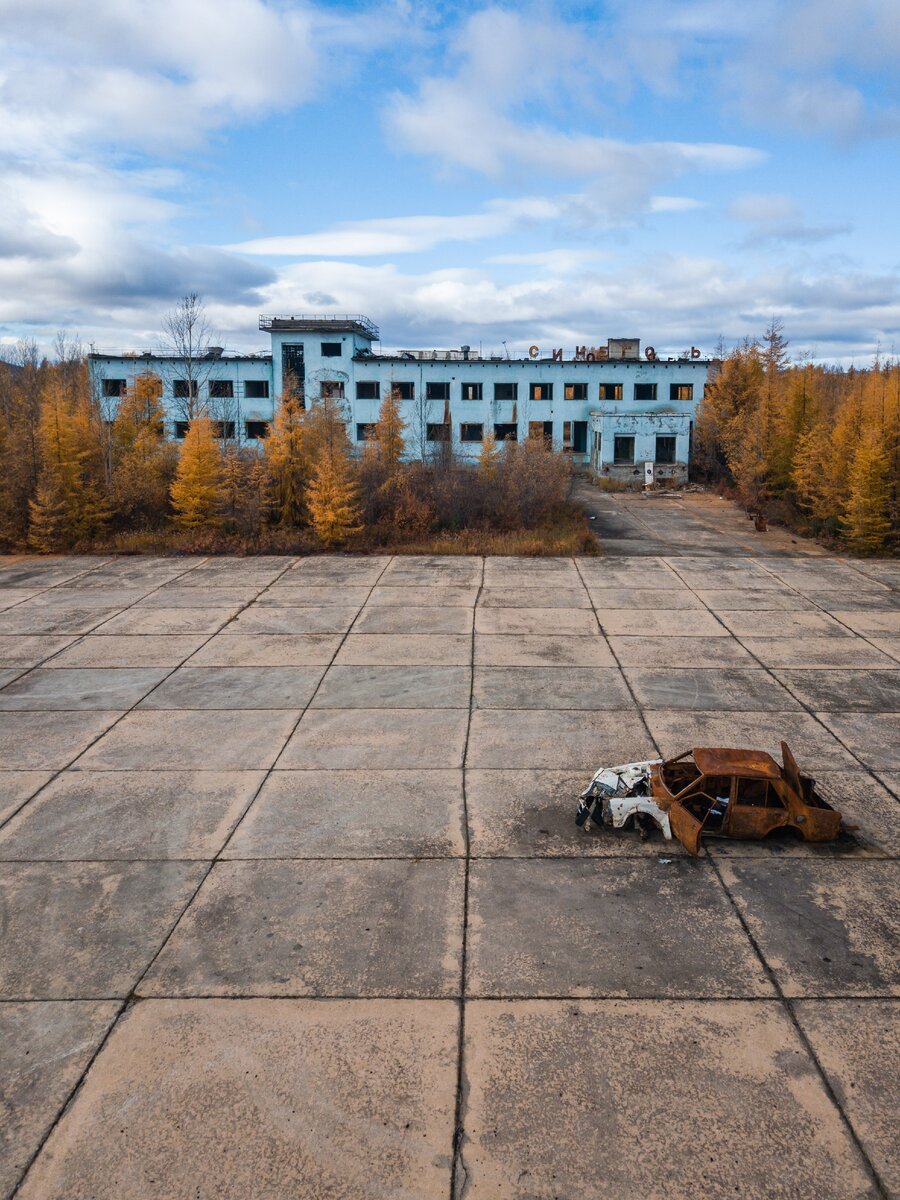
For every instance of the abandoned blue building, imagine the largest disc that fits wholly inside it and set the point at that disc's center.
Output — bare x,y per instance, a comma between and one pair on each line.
612,406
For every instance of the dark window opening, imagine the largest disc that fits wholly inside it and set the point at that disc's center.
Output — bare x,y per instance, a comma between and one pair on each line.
541,429
292,368
437,431
645,391
181,428
223,429
221,389
681,391
610,391
506,433
332,389
665,448
472,391
576,391
256,429
506,391
579,437
365,431
404,390
368,389
436,391
182,389
541,391
113,387
256,389
623,449
471,432
332,349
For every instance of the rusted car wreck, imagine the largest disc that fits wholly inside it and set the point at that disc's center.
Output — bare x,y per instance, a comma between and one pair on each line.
710,791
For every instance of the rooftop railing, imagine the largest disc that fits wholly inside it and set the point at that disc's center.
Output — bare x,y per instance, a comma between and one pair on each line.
310,320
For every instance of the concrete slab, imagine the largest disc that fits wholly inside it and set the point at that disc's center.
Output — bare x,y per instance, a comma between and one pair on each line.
176,596
567,622
233,740
741,600
889,646
826,928
383,927
18,786
816,652
435,596
555,927
530,572
100,816
88,598
170,620
589,688
267,650
660,623
849,690
25,618
555,739
410,650
814,747
541,650
235,687
857,1043
388,738
80,688
872,737
544,1077
395,687
22,650
273,1098
129,650
871,622
711,688
33,741
265,619
354,814
634,574
384,619
44,1049
86,930
531,814
281,595
856,600
680,652
783,624
631,598
46,572
536,597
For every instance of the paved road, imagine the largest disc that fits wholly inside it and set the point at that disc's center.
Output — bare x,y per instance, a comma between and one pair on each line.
293,904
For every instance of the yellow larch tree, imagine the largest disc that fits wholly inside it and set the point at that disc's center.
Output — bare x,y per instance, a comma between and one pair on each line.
387,437
197,489
286,458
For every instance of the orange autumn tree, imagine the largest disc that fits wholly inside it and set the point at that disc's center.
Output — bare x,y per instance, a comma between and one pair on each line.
332,495
197,489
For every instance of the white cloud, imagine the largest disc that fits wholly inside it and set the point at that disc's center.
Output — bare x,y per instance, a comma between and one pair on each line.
775,217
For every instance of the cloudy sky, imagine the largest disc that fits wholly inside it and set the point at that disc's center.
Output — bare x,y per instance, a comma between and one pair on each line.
553,173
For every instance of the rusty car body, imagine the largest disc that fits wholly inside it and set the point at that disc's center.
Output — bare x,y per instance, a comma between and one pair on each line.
711,791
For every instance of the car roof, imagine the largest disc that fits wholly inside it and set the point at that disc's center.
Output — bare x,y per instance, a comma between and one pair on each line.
756,764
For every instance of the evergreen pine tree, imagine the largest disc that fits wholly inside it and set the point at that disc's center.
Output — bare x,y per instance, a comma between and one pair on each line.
197,489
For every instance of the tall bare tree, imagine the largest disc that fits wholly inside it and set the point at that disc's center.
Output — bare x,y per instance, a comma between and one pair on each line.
186,336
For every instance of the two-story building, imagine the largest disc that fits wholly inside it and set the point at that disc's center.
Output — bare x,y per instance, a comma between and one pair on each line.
611,405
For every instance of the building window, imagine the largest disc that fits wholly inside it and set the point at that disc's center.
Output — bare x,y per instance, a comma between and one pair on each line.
579,437
567,435
182,389
665,448
256,389
332,349
223,429
610,391
541,429
645,391
469,432
365,431
576,391
623,449
506,391
221,389
113,387
541,391
681,391
472,391
437,431
292,364
181,428
506,433
404,390
256,430
437,391
332,389
368,389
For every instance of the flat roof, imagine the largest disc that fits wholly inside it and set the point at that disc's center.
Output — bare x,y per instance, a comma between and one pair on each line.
456,357
167,356
324,323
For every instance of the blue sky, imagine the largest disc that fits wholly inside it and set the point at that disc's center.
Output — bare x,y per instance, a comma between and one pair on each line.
550,173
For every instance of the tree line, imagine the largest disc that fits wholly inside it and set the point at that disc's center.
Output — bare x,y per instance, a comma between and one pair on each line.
814,446
75,474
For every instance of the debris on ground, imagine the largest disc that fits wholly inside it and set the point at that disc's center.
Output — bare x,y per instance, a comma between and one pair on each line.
710,791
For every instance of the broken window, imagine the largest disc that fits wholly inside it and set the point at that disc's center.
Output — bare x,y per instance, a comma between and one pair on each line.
181,428
256,430
437,431
182,389
365,431
541,391
332,389
368,389
223,429
579,436
437,391
113,387
506,391
292,364
506,433
757,793
221,389
256,389
681,391
567,435
576,391
404,390
623,449
665,448
610,391
645,391
541,429
472,391
471,432
332,349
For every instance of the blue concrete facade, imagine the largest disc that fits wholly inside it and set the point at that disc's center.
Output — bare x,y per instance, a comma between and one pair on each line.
612,406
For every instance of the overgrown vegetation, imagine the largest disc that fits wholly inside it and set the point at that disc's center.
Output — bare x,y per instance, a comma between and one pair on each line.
78,474
815,447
